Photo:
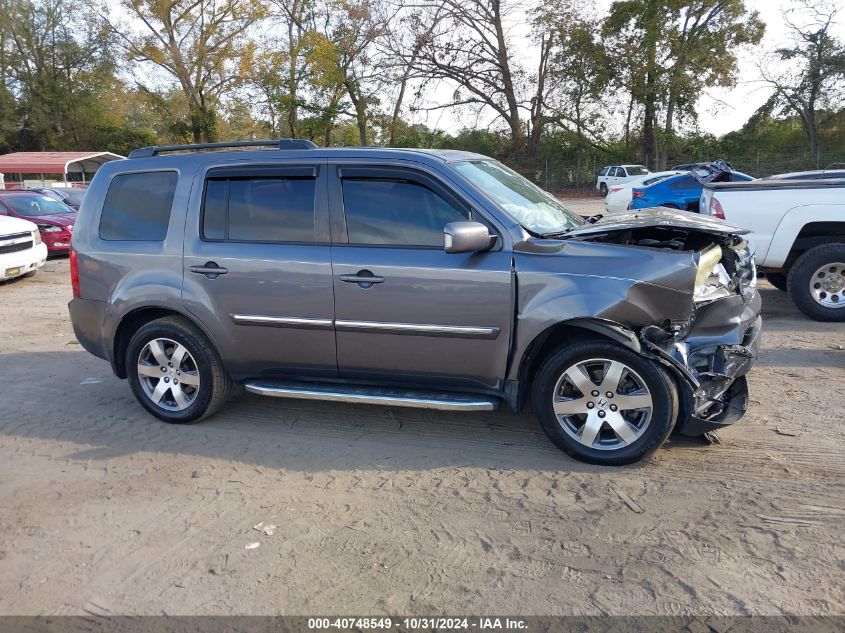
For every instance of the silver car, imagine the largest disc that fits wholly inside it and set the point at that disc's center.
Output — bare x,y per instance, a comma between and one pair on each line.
433,279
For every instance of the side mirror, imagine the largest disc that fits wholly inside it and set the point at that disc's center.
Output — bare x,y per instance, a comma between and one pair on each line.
466,237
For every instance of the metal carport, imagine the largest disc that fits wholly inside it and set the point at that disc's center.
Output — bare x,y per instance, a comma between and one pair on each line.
71,166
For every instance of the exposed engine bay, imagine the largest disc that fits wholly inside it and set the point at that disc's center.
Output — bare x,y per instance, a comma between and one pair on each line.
708,339
713,349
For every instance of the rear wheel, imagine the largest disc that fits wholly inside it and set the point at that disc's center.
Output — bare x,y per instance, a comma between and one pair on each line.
778,280
603,189
604,404
174,371
816,282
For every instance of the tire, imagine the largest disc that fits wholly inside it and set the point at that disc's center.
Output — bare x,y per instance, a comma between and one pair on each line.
778,280
603,189
670,205
204,384
650,427
816,282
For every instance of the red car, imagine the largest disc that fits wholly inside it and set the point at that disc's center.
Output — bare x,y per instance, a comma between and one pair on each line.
54,219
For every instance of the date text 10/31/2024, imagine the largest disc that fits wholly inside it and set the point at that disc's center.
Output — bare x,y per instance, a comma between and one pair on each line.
418,623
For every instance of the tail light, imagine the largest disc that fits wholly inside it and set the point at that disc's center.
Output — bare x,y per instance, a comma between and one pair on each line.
74,274
716,209
637,194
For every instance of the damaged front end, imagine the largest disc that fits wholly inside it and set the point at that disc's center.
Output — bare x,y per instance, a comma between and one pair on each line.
712,349
711,355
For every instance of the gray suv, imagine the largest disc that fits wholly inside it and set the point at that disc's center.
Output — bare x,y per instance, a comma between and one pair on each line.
432,279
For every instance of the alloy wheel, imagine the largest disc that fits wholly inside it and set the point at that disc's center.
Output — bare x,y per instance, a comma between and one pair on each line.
603,404
827,285
168,374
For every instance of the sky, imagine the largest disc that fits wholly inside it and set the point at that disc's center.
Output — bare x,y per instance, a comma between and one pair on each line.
720,110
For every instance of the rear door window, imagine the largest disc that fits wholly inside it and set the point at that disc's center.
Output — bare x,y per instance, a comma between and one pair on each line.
137,206
260,209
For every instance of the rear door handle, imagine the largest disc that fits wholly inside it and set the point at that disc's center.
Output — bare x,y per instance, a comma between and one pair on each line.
209,269
363,278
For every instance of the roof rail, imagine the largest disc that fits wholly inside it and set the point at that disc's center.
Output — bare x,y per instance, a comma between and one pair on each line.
283,143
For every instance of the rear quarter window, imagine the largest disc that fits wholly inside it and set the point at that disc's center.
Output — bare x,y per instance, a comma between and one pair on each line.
137,206
687,182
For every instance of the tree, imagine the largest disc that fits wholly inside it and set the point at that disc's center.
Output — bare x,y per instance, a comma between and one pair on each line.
56,65
285,69
810,75
402,45
469,47
685,46
577,71
360,24
201,44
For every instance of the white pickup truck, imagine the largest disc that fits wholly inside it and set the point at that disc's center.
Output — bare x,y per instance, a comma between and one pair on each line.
798,235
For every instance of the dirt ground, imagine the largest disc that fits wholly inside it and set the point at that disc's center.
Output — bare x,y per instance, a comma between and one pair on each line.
388,511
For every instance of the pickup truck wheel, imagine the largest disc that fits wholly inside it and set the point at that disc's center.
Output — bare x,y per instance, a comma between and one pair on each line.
604,404
778,280
817,282
603,190
174,371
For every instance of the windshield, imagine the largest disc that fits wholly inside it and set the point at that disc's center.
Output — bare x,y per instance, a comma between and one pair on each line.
74,196
653,181
636,170
536,210
36,205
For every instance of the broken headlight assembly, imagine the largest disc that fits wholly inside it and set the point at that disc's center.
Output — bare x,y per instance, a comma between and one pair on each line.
713,279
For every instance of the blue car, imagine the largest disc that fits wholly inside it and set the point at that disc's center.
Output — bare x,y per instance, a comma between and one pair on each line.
676,192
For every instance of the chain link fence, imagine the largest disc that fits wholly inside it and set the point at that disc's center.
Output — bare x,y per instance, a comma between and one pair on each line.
559,177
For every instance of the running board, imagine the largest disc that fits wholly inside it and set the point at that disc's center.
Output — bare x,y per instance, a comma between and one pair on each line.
413,398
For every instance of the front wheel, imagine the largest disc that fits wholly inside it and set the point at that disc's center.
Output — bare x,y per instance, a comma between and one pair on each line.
816,282
604,404
174,371
603,190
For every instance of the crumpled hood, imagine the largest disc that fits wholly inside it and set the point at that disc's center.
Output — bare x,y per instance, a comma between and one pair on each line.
656,217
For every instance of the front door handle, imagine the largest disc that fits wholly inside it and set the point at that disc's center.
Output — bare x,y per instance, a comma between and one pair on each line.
209,269
363,278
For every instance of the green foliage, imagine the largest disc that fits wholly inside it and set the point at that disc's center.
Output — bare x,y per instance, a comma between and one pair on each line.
679,48
606,89
120,139
56,68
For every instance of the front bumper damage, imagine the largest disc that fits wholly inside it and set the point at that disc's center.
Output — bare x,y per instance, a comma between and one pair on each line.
711,355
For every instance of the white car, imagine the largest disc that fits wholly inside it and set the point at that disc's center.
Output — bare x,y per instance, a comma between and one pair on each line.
21,250
797,231
618,174
619,196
